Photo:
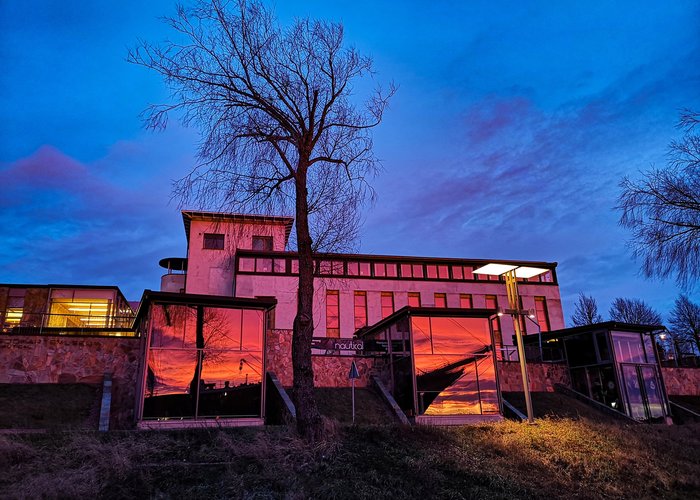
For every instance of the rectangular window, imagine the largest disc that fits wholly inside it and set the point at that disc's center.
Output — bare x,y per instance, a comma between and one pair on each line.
457,273
541,312
406,271
492,303
443,272
387,304
380,269
391,270
440,300
417,270
360,309
213,241
332,313
365,269
353,269
414,299
465,301
15,307
262,243
431,271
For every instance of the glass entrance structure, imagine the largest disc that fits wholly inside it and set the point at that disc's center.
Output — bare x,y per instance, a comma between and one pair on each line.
204,358
615,364
440,362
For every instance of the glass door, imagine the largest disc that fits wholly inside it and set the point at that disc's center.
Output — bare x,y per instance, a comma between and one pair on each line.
644,396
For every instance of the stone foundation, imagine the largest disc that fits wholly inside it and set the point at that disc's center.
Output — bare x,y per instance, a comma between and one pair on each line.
542,376
60,359
329,370
681,381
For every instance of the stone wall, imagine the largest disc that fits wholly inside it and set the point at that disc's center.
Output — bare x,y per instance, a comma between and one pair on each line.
542,376
681,381
329,371
58,359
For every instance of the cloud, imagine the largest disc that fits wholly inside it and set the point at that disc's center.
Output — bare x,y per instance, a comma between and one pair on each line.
74,223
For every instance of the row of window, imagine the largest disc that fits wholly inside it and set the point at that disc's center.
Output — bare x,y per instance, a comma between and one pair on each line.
414,300
367,269
215,241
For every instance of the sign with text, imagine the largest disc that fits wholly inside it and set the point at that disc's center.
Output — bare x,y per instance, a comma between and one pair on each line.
338,344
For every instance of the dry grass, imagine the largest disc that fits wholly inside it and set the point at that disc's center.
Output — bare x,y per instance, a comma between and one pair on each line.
555,458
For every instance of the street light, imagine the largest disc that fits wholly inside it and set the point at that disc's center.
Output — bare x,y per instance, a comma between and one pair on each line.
512,273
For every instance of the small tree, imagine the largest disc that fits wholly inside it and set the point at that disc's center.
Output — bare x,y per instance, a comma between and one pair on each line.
586,311
685,323
281,132
633,311
663,210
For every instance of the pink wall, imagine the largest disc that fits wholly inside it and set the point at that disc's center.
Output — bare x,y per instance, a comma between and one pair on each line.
211,272
284,288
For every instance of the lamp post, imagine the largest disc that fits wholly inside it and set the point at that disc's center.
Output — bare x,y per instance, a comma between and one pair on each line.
511,273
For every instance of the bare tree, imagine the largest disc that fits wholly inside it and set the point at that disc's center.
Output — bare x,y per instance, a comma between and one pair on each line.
663,210
281,131
586,311
633,311
685,324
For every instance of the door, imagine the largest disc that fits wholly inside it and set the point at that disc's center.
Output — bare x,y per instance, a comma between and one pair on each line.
645,400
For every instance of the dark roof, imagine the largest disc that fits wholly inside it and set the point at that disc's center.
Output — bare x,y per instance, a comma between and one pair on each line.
596,327
427,311
189,215
150,296
174,263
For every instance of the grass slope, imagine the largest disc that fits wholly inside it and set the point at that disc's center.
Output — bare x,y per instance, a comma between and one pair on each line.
555,458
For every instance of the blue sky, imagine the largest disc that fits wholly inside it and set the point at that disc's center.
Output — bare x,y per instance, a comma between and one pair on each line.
511,129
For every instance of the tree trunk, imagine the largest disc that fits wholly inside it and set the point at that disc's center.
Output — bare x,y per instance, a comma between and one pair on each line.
309,423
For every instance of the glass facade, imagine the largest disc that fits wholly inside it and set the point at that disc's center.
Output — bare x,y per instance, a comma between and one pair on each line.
203,362
618,369
440,365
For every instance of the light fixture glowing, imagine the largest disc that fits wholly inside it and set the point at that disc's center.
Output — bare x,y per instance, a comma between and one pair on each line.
494,269
529,272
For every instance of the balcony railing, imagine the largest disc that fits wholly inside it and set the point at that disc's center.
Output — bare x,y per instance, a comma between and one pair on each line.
71,324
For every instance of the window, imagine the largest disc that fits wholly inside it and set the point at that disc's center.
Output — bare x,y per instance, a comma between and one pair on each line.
382,269
465,301
440,300
492,303
365,269
15,307
263,243
213,241
360,309
332,313
541,312
414,299
411,270
387,304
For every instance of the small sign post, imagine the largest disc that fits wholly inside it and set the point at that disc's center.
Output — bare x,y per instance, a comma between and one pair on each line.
354,374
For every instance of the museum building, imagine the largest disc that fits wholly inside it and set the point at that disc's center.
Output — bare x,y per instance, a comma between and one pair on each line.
214,343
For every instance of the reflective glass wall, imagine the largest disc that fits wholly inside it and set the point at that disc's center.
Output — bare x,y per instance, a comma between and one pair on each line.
203,362
439,365
454,366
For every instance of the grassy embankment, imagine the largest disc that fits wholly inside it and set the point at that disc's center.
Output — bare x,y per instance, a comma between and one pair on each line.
555,458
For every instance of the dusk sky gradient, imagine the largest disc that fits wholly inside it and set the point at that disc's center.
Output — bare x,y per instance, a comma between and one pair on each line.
507,139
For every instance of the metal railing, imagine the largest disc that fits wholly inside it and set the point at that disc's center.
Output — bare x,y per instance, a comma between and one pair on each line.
70,324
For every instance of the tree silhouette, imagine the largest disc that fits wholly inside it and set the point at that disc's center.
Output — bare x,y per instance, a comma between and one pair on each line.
685,323
663,210
281,132
633,311
586,311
